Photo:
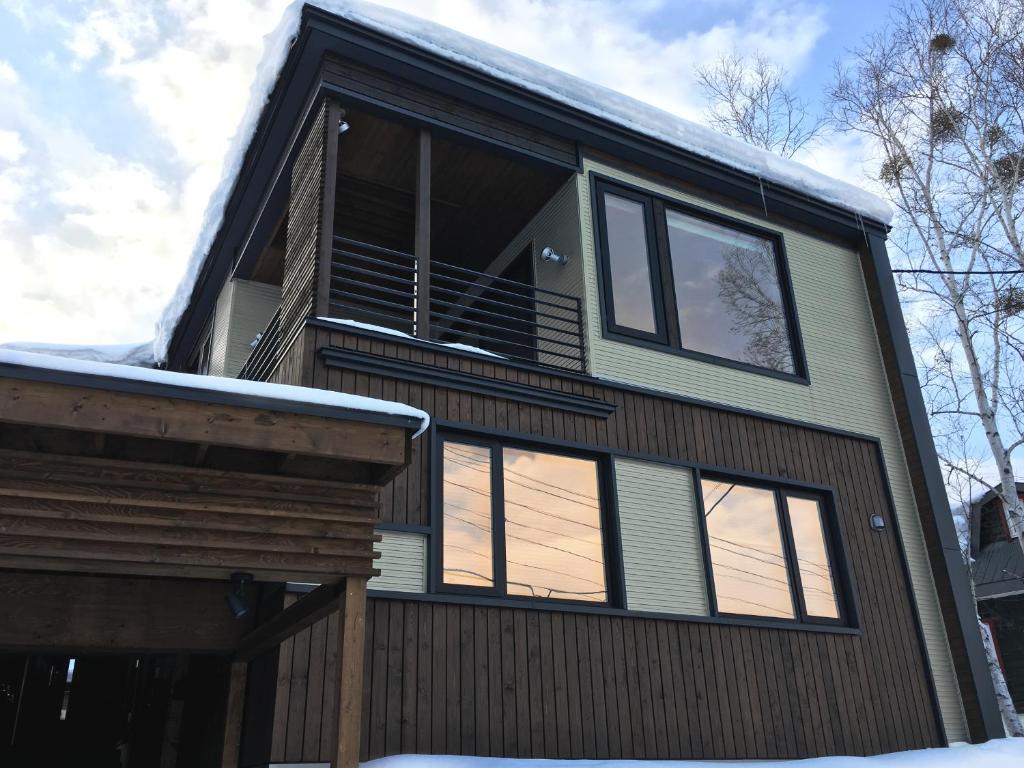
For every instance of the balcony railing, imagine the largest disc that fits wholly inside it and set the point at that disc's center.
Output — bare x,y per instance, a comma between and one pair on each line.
266,352
504,317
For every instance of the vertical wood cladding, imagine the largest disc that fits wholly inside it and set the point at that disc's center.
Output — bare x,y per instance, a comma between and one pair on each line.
298,293
462,679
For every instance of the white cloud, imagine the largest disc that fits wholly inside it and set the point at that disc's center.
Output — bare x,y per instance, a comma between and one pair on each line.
11,146
99,240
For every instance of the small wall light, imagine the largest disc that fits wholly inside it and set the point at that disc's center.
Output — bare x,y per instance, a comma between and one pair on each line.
877,523
343,126
549,254
238,600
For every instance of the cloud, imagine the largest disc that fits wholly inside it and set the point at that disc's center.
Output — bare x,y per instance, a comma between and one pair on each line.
98,235
11,146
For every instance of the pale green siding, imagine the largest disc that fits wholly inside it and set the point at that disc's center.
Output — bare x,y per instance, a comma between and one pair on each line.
848,388
402,563
661,551
244,308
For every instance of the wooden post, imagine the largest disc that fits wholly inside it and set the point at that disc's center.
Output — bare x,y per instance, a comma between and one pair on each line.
351,644
233,719
325,244
422,241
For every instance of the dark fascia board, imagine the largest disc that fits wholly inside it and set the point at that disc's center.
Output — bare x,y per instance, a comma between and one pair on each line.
322,32
996,589
201,395
336,357
921,435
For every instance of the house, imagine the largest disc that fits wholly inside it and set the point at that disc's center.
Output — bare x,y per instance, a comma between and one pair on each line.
998,574
678,497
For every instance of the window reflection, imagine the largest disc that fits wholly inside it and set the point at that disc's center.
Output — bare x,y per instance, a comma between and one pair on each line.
552,526
728,299
632,292
468,552
745,543
812,557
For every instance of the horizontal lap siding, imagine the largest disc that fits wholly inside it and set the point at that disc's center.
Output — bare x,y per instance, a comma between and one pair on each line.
402,563
471,680
661,549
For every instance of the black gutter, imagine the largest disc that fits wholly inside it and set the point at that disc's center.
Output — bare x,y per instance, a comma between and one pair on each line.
921,440
201,395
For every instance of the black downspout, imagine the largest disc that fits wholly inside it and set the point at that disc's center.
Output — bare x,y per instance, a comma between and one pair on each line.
921,436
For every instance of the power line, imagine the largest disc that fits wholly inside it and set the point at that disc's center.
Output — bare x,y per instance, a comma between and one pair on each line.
958,271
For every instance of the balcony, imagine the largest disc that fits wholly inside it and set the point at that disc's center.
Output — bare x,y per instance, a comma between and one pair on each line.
428,236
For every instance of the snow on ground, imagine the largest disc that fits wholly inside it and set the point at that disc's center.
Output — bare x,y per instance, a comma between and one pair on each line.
140,354
402,334
1000,753
594,100
259,389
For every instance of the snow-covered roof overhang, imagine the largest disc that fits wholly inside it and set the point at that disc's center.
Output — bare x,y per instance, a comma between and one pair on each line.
539,94
214,390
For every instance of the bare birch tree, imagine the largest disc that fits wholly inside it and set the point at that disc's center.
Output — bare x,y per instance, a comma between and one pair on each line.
750,99
934,92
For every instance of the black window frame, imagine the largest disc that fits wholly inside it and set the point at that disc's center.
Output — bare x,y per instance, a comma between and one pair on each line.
610,542
835,550
668,338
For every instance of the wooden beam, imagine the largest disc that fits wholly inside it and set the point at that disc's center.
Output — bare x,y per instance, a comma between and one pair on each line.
422,238
293,619
351,648
325,244
103,614
233,717
163,418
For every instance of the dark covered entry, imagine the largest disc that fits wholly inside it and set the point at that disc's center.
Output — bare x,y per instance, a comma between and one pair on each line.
124,710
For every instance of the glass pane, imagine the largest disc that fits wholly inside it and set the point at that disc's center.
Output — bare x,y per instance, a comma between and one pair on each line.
468,546
632,293
812,557
727,293
747,560
553,527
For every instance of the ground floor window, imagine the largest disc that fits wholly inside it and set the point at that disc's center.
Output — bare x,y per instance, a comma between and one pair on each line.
521,522
771,552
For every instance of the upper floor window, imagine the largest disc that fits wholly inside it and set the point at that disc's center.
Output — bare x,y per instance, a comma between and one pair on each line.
521,522
695,283
770,552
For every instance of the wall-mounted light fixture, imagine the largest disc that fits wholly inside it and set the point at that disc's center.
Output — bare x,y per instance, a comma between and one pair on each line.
549,254
238,600
877,523
342,127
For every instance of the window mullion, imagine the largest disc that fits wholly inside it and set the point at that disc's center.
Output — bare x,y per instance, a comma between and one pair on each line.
792,565
663,268
498,519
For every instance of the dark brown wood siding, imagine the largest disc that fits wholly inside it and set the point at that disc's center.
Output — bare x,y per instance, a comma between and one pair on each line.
298,292
464,679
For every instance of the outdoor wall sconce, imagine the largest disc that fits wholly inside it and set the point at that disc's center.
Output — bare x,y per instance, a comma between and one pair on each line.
549,254
238,600
877,523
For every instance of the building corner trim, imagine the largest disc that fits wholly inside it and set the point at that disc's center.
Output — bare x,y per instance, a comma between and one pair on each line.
921,438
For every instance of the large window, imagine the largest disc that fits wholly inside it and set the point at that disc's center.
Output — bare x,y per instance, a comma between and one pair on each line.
521,522
770,552
695,283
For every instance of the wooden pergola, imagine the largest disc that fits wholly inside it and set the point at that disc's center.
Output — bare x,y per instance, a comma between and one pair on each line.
126,506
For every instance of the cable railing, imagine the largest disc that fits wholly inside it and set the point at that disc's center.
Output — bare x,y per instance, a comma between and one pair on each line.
503,317
266,352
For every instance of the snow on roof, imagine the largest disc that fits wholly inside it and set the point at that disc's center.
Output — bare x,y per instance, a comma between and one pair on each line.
998,753
595,100
140,354
284,393
392,332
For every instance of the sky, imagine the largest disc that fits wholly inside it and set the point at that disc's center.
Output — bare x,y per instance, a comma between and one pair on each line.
117,115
